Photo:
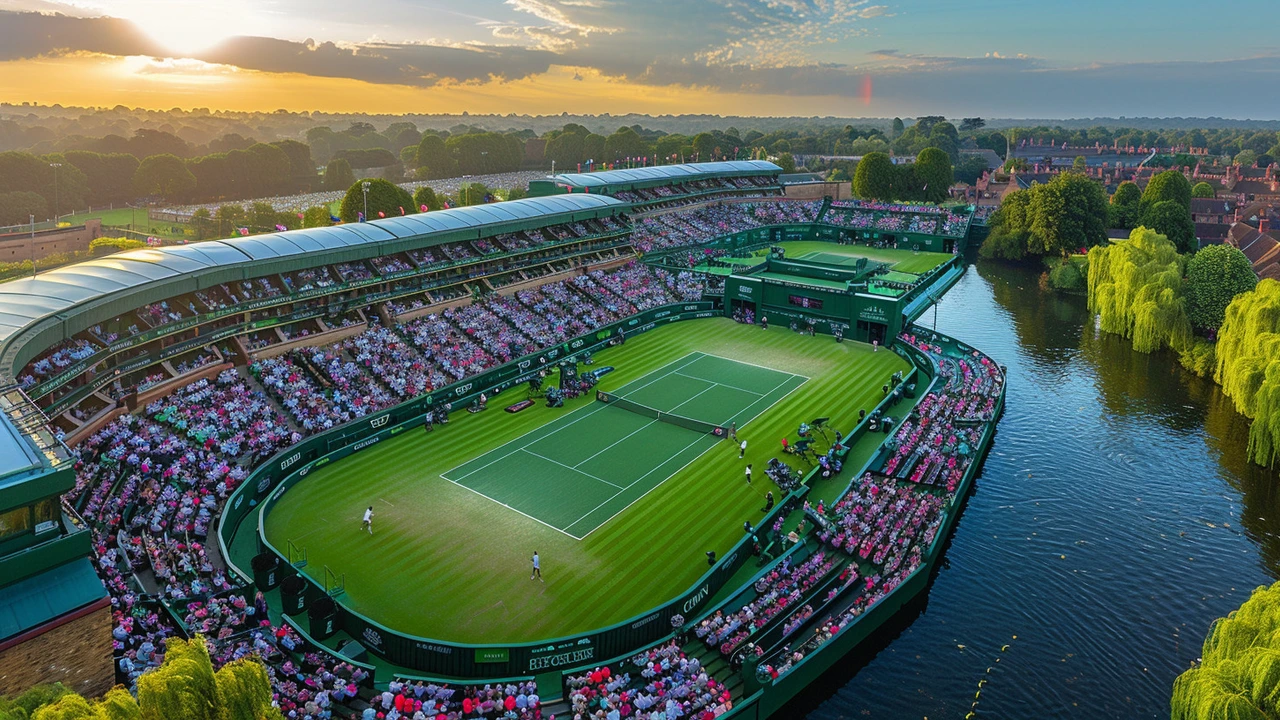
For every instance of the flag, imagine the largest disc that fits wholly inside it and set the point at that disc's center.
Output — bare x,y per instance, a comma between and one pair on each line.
301,216
401,209
381,214
424,208
360,215
336,219
244,231
281,228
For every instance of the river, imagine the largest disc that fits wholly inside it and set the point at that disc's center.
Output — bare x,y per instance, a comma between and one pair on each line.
1116,516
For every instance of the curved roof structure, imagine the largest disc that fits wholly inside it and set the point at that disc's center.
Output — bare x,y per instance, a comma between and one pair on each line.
27,301
666,174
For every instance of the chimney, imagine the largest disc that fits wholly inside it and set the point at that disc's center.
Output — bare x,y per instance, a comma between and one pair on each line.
1263,223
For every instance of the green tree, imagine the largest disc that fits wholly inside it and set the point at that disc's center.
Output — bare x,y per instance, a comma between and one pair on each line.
1246,352
316,216
164,175
17,208
338,175
1123,210
1171,219
593,148
203,224
433,158
1136,289
384,197
1215,276
935,174
897,129
704,144
426,196
1203,190
1168,185
625,143
1079,164
1068,213
1236,676
787,162
874,177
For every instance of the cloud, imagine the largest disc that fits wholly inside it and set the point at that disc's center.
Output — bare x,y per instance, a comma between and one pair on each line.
28,35
873,11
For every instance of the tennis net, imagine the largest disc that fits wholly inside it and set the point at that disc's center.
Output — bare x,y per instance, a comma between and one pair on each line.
656,414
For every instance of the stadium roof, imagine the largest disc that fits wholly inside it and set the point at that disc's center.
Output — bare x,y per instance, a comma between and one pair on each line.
25,301
666,173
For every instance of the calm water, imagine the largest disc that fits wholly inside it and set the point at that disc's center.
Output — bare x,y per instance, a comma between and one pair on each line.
1114,519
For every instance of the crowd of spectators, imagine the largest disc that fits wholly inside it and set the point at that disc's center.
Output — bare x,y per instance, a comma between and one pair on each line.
897,217
701,224
661,683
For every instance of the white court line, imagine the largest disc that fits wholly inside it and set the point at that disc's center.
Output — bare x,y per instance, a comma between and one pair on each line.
567,467
619,392
762,367
522,447
717,382
700,438
681,469
690,399
642,427
540,522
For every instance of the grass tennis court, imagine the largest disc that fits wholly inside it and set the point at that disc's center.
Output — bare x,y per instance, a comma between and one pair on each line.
449,563
907,261
577,472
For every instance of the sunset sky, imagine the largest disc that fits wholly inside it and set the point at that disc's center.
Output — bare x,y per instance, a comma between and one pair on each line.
995,58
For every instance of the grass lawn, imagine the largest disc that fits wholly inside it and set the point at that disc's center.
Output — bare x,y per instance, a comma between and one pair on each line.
450,563
124,217
906,261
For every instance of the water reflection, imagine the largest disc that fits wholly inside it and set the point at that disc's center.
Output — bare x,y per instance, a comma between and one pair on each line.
1115,518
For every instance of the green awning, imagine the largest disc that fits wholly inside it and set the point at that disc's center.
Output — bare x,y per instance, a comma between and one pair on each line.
41,598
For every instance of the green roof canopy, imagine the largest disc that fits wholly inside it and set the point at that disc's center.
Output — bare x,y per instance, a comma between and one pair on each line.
28,300
36,600
666,174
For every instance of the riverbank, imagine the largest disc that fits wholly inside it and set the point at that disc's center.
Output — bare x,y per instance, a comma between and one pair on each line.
1115,518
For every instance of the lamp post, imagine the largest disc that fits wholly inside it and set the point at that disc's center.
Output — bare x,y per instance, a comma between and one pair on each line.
55,166
365,185
33,245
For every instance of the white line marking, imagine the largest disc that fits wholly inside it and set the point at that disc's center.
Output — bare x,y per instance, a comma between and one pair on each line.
387,502
691,398
699,439
540,522
527,451
642,427
522,437
762,367
717,382
620,391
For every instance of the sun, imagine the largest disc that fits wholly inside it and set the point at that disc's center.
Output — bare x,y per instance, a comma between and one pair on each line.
184,26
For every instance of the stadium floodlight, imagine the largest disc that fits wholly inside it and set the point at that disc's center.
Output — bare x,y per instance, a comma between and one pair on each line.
365,185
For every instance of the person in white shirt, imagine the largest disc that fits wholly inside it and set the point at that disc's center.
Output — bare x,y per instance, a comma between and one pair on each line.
742,449
368,520
537,567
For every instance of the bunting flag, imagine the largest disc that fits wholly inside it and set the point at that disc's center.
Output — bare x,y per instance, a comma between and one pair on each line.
402,210
423,209
301,216
281,228
360,215
244,231
336,219
381,214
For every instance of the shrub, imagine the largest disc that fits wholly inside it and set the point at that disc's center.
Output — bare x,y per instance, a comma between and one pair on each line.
106,245
384,196
1066,277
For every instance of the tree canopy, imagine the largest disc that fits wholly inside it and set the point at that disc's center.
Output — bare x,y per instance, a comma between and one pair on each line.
338,175
384,197
934,173
1215,276
1173,220
1238,677
1248,368
874,177
1123,211
1168,185
164,175
1135,288
1058,218
1203,190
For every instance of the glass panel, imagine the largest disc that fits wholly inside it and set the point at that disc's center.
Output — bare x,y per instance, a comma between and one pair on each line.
47,512
15,522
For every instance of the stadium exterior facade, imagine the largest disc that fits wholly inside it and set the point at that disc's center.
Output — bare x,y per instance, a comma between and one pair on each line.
55,308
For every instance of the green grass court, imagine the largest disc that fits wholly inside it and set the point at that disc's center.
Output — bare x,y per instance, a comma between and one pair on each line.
577,472
449,563
906,261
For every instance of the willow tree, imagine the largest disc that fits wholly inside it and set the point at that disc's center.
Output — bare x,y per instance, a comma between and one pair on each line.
1238,677
1135,289
1248,365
